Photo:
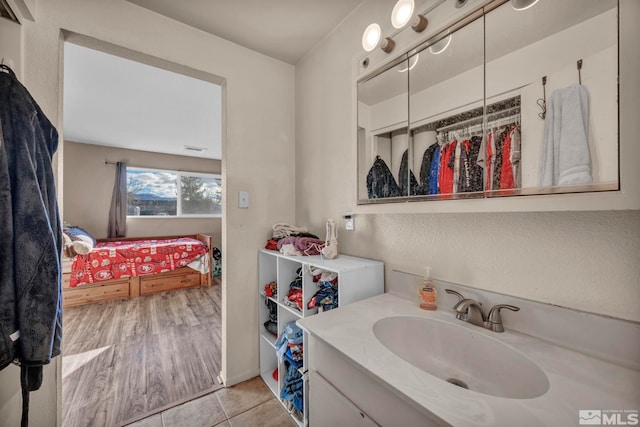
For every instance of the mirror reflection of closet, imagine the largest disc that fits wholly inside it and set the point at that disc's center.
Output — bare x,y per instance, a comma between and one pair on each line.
561,59
477,107
446,113
383,134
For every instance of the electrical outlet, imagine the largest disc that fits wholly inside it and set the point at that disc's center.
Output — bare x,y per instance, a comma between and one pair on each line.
349,224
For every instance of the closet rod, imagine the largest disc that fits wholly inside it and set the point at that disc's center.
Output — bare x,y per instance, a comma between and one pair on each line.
479,118
496,122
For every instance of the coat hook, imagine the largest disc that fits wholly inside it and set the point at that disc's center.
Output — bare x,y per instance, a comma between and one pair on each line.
542,102
579,64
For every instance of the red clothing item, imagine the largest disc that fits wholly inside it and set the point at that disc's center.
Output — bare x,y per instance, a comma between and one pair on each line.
272,245
445,178
488,163
506,172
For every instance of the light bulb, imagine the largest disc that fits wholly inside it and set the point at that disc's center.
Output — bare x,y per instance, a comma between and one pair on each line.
410,66
523,4
371,37
401,13
440,46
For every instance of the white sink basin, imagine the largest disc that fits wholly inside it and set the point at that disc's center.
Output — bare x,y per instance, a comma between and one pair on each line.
462,357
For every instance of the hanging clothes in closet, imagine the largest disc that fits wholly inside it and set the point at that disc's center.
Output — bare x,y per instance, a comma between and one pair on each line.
500,158
470,163
425,168
447,165
470,176
411,187
380,181
31,239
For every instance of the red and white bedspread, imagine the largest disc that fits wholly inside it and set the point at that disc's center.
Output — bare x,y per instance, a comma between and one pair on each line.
114,260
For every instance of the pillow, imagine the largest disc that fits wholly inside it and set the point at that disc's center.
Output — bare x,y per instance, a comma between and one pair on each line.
73,245
80,234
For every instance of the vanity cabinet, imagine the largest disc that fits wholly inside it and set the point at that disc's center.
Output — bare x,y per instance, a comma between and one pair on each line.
358,278
356,398
492,103
329,407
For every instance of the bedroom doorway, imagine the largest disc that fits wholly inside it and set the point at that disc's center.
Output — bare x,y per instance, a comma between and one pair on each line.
127,355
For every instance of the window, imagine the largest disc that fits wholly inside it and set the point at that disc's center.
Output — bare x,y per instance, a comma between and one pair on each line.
153,192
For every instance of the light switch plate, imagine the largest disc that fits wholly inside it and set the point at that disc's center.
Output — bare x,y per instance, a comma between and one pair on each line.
243,199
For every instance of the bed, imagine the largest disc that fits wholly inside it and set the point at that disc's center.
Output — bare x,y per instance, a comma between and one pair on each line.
130,267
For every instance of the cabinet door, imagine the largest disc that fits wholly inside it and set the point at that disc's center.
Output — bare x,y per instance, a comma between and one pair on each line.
329,407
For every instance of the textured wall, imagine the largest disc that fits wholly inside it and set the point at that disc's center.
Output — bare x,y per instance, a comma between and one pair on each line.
584,260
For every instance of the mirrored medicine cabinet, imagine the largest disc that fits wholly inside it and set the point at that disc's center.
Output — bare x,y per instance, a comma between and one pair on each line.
502,103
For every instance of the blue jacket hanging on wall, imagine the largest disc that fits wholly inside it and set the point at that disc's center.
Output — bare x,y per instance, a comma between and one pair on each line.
31,239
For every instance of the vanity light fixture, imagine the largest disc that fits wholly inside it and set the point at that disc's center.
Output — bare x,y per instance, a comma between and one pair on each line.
388,45
371,37
440,46
401,13
523,4
419,23
411,66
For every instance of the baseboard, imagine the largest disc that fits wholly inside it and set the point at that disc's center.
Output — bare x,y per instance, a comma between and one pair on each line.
240,378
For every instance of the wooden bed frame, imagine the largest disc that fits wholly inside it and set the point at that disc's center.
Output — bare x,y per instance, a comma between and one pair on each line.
130,287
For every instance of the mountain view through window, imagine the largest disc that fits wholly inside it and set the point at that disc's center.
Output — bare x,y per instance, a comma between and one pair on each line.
171,193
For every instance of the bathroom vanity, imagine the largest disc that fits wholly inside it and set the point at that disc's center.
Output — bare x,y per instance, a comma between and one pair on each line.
384,361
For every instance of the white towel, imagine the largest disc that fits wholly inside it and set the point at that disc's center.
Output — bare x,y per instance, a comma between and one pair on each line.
565,153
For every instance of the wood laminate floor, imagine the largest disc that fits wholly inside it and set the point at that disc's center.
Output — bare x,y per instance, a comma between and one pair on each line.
123,359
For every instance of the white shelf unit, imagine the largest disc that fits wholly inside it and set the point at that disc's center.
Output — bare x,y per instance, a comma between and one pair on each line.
358,278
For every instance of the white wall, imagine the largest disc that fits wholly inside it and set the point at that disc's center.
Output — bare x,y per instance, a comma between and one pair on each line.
10,46
44,400
259,123
584,260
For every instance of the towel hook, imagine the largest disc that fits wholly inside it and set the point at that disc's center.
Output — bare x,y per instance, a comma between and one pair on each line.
579,64
542,102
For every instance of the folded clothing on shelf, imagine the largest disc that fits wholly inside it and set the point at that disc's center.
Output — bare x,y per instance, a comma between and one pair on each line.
271,289
326,298
296,245
292,391
294,296
271,325
291,334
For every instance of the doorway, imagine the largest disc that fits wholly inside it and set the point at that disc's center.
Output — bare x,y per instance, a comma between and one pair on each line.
127,358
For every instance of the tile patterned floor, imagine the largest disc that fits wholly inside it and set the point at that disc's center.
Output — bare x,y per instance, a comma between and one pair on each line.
247,404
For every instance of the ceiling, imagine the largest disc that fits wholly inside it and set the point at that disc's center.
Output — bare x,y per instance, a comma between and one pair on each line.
282,29
116,102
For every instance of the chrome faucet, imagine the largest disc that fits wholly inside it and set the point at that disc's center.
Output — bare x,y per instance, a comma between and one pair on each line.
470,311
494,319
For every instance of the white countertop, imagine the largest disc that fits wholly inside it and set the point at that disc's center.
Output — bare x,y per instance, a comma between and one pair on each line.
577,381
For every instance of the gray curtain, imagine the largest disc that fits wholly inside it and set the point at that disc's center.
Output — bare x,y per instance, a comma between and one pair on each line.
118,210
